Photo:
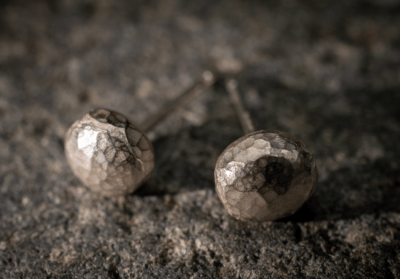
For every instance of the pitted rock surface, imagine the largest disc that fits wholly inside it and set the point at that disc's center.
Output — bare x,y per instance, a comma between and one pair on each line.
325,71
109,152
265,175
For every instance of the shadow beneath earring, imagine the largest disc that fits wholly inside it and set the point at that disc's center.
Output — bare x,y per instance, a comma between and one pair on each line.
304,214
186,161
348,193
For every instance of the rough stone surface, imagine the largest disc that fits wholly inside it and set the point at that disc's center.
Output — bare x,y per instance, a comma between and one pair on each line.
264,176
109,152
324,71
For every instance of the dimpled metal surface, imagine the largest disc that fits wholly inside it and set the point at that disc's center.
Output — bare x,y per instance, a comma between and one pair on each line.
109,153
265,175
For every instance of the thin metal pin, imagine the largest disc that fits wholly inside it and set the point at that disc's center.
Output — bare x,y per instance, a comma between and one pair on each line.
208,79
244,116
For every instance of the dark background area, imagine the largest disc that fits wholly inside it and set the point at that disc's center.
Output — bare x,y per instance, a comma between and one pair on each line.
327,72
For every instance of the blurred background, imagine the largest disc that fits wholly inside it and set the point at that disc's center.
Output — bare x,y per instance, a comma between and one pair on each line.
325,71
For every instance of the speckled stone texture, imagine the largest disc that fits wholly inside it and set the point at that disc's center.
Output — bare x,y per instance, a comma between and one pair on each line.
326,72
265,175
109,152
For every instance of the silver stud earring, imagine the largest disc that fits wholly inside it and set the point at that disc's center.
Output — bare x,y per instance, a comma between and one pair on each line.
264,175
110,153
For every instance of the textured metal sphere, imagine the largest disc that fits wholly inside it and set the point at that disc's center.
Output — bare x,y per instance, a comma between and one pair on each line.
109,153
265,175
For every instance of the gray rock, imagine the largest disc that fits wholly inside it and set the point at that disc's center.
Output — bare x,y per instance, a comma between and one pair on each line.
326,72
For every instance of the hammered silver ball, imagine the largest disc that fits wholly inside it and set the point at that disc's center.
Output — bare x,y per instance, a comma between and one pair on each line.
109,153
264,176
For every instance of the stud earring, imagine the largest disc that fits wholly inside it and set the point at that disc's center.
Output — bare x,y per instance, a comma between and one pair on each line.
264,175
110,153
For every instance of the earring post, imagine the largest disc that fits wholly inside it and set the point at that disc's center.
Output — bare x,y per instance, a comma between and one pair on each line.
208,79
244,117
